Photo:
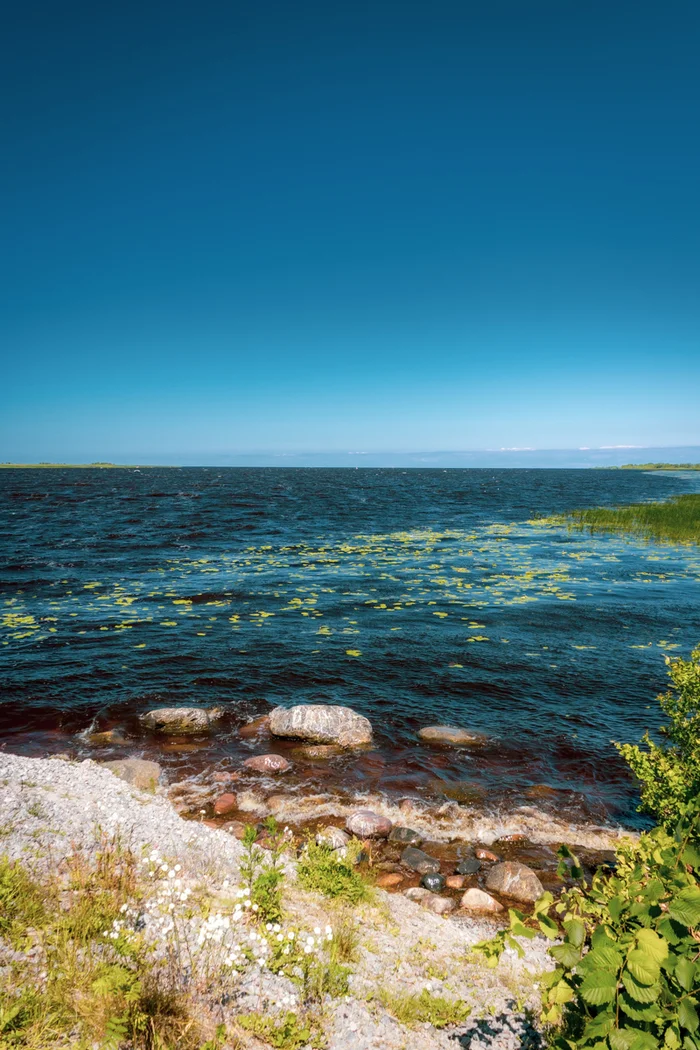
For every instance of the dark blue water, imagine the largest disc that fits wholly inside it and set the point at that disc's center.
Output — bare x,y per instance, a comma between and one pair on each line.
417,597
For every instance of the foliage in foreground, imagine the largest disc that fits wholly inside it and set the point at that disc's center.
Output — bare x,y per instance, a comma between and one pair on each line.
627,973
669,772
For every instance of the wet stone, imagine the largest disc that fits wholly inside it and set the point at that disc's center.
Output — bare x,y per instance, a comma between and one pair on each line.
486,854
225,803
433,882
440,905
468,866
136,771
268,764
455,882
407,835
258,727
417,860
366,824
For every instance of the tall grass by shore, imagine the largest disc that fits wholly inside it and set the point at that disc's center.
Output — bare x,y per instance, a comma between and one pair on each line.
675,521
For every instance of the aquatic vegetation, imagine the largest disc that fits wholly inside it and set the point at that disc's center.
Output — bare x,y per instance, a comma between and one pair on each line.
675,521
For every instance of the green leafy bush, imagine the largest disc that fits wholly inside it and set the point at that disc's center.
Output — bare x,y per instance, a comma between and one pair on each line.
287,1033
669,772
322,871
424,1008
627,973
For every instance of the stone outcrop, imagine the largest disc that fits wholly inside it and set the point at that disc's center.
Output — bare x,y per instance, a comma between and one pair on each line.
180,720
225,804
451,736
323,724
514,880
336,838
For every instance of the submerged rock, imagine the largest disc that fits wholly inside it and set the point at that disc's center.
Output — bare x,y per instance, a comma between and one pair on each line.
476,900
451,736
313,752
407,835
258,727
180,720
514,880
417,860
468,866
366,824
107,737
136,771
268,764
225,804
322,723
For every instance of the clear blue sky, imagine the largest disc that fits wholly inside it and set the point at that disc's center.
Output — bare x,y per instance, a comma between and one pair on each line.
282,226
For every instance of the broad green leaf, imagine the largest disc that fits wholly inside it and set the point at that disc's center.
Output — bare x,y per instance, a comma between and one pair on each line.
575,932
644,1041
685,973
691,856
601,937
671,1039
565,954
615,907
688,1015
638,1011
671,930
602,958
622,1038
655,946
599,987
685,907
644,969
641,993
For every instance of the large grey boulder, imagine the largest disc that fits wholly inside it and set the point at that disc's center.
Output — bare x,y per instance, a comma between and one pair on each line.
322,723
179,720
514,880
451,736
136,771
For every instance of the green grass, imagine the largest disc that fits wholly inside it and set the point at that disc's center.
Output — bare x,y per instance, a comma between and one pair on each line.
322,872
412,1010
675,521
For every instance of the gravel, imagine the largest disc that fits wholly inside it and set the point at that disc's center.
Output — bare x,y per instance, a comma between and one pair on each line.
50,807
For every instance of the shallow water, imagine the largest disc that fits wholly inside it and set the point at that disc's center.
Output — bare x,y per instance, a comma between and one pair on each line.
417,597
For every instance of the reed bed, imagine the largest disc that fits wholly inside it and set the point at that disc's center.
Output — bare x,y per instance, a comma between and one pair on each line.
674,521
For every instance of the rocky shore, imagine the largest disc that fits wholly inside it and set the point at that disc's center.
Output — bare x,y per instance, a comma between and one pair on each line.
436,891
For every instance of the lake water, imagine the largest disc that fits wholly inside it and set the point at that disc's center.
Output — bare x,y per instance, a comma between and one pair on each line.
417,597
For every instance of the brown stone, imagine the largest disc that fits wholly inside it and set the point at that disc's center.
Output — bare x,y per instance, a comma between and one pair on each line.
225,803
257,727
234,827
225,778
107,738
541,791
455,882
478,901
486,854
268,764
389,880
514,880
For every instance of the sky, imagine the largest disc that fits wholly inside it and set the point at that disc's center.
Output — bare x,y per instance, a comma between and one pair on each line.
275,229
